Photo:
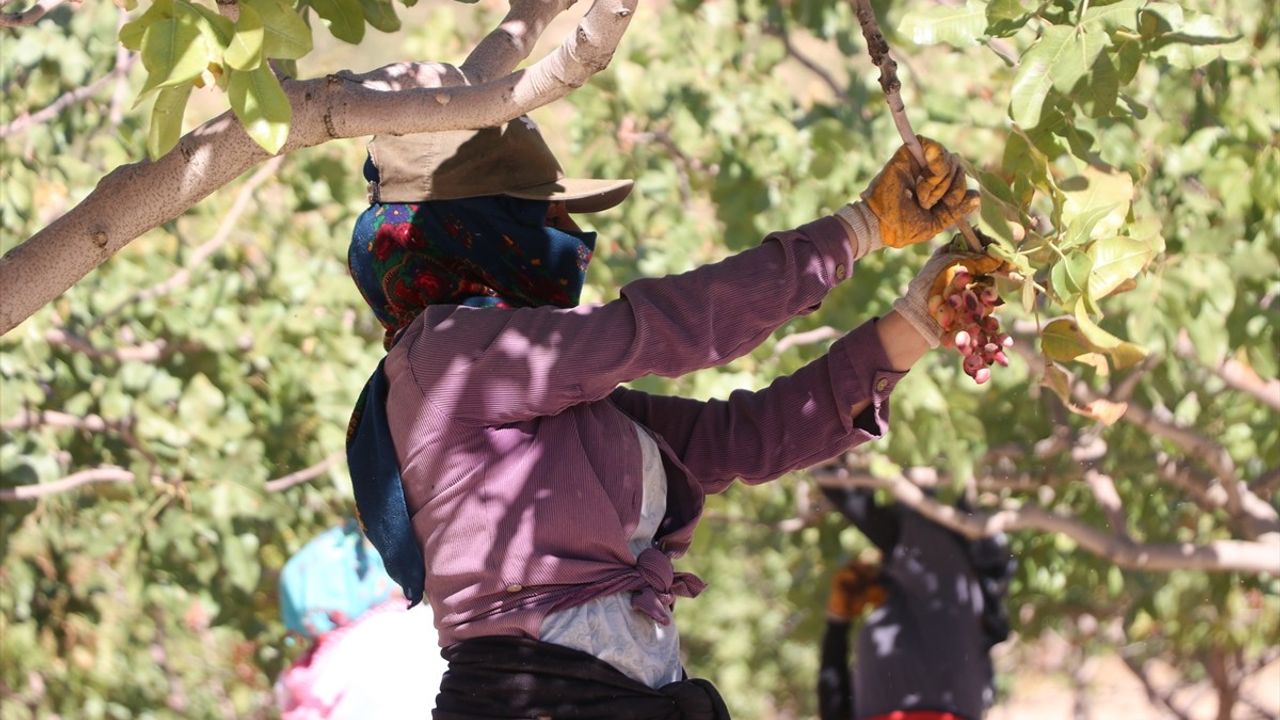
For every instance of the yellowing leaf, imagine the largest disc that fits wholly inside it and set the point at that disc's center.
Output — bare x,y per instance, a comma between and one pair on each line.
1059,381
1122,352
245,50
1115,261
1105,411
1062,340
261,106
1096,188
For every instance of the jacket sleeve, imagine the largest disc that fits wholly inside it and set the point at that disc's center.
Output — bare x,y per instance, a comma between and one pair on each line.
493,366
797,421
877,522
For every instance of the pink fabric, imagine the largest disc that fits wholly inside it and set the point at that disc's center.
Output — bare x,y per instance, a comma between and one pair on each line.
520,465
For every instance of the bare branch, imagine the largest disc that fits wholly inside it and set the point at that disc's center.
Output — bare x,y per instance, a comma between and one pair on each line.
285,482
1104,491
511,42
807,337
135,198
1154,694
1237,375
32,15
1214,556
50,111
809,64
107,474
1266,484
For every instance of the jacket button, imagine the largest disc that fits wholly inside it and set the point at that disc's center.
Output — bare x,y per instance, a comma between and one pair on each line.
882,384
514,588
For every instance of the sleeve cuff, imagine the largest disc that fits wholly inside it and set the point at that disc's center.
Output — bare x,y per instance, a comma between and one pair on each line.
863,373
829,236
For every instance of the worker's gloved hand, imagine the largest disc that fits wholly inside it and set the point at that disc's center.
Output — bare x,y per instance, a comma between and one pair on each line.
928,306
854,587
912,203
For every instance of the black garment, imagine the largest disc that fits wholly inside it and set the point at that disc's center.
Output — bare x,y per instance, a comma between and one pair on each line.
515,678
835,685
928,646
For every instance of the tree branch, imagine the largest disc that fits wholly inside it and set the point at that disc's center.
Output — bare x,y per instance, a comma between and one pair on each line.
285,482
806,337
511,42
1237,375
28,120
106,474
135,198
1214,556
1154,695
878,48
32,15
784,34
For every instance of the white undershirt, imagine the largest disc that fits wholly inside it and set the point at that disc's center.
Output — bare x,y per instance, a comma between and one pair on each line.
607,627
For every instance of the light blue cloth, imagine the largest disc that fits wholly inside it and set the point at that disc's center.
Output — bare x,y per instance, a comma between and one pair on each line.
333,580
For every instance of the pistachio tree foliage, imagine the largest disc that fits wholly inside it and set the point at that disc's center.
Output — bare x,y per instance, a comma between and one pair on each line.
172,424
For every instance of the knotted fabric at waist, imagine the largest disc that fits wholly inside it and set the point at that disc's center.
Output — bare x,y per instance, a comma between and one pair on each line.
518,677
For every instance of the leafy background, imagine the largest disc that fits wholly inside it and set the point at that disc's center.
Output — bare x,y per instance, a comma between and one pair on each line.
1123,126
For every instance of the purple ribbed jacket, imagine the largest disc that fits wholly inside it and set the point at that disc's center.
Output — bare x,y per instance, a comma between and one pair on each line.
520,465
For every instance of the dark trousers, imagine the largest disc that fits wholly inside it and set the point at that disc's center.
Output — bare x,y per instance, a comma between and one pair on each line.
515,678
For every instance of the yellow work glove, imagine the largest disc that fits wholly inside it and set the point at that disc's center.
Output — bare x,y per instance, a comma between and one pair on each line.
854,587
914,203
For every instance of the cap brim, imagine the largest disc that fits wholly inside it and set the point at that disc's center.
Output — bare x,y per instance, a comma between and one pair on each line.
580,195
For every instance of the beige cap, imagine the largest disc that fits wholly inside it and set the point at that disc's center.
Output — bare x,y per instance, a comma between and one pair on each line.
510,159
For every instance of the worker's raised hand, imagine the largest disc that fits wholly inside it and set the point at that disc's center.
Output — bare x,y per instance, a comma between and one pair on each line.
950,301
914,203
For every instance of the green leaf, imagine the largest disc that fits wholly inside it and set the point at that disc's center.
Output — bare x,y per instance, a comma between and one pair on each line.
261,106
957,26
1006,17
285,34
381,14
173,52
345,18
1070,276
1120,15
245,50
1122,352
166,120
217,29
131,32
1058,60
1081,228
1097,188
1116,260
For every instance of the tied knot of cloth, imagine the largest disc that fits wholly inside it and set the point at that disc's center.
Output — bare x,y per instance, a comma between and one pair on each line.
661,584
